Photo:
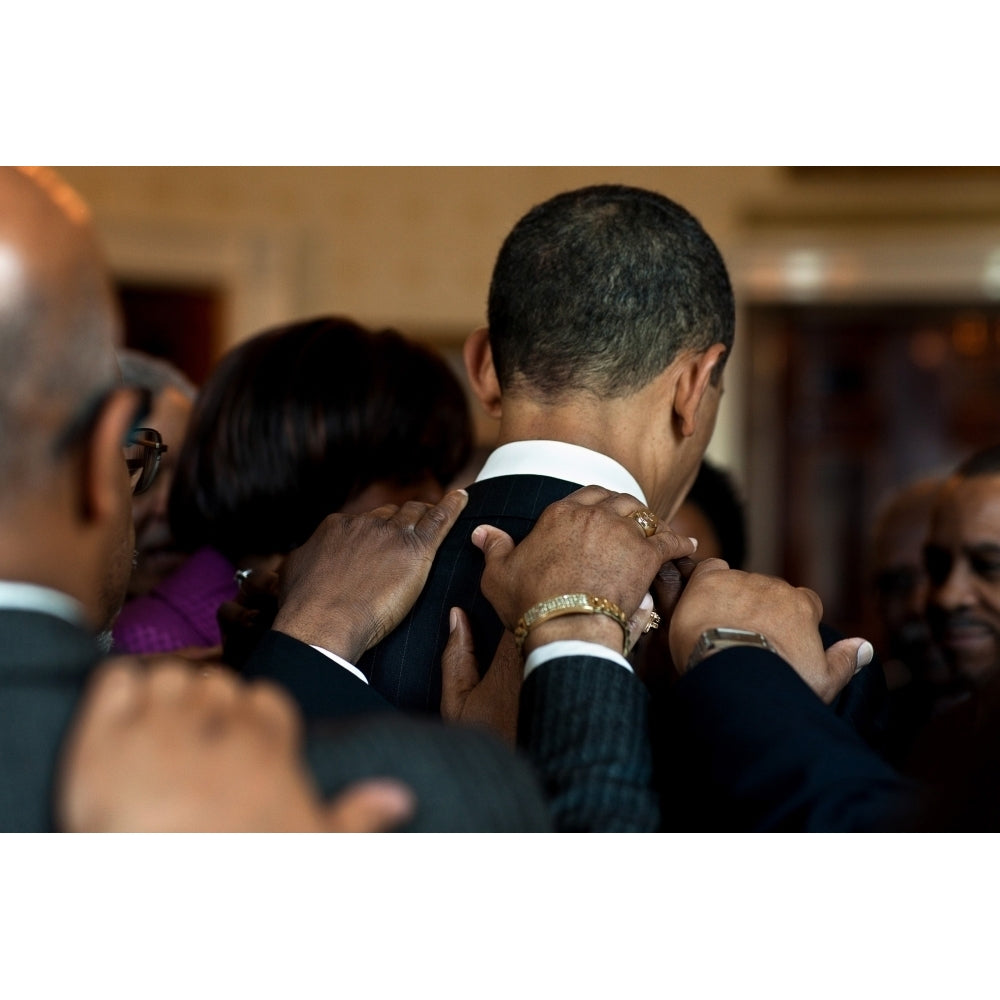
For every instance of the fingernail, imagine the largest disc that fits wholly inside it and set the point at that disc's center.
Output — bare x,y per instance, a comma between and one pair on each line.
694,542
452,620
464,493
866,653
478,534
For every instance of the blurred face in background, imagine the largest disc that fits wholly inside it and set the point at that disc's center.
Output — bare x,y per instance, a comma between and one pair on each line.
156,556
962,558
901,584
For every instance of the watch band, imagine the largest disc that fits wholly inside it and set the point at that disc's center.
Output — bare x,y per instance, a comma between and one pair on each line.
714,639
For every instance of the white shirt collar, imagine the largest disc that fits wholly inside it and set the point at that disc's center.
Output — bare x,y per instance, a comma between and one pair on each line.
559,460
18,596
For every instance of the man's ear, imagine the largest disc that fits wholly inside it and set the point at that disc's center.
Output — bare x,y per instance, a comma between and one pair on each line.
105,475
478,357
692,384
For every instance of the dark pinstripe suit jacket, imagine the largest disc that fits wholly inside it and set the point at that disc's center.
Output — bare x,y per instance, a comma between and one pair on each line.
406,666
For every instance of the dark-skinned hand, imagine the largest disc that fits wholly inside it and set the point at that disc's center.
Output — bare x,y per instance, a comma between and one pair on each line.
716,596
586,543
358,575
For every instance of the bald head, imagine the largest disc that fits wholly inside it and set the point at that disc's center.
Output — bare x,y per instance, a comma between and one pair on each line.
58,319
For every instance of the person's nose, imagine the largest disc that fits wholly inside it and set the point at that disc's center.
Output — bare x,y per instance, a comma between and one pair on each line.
956,592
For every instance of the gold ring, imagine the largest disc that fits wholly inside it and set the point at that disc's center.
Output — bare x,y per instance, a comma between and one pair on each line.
646,520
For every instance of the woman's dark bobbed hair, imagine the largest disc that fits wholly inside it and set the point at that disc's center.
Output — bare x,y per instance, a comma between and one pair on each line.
298,420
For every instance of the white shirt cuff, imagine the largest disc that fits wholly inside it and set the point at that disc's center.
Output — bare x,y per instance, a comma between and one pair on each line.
572,647
339,659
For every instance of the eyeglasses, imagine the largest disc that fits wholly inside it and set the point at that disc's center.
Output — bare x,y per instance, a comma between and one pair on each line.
142,456
143,446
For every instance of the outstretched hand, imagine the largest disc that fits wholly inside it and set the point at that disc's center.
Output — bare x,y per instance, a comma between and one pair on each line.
586,543
716,596
168,747
358,575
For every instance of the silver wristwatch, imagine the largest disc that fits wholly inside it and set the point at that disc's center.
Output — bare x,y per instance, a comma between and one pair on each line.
714,639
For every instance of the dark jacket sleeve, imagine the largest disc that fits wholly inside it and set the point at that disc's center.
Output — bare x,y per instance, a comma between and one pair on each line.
744,744
322,688
584,725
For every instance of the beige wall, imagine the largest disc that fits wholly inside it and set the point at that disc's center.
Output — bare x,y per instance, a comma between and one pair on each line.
413,247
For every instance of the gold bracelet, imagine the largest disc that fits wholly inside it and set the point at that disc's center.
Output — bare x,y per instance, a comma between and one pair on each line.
570,604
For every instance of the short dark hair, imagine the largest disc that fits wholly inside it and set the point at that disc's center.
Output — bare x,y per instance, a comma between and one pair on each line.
599,289
298,420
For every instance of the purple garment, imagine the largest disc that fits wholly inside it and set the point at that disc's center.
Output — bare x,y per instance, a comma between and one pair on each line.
180,611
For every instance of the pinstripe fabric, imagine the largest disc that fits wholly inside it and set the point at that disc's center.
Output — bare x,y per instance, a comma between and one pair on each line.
405,668
584,723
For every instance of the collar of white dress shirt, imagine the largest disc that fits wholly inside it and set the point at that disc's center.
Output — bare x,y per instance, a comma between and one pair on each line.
18,596
559,460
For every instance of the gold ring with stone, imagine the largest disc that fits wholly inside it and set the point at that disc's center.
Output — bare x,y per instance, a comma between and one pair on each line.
646,520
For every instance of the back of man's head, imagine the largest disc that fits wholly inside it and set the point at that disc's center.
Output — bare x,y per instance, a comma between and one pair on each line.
599,290
57,321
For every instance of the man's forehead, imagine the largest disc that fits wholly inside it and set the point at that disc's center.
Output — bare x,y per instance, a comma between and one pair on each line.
971,505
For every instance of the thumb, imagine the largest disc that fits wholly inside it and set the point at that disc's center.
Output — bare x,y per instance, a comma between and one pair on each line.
494,542
459,671
844,659
369,807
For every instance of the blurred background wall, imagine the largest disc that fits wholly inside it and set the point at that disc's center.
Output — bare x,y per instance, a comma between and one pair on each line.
868,343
